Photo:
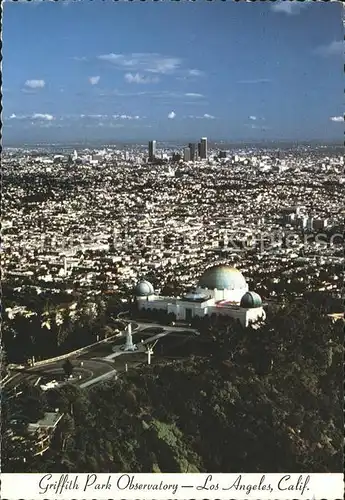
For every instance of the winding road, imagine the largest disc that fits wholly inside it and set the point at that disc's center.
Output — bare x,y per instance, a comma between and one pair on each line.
93,366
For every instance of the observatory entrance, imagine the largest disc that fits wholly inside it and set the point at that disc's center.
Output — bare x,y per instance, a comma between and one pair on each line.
189,314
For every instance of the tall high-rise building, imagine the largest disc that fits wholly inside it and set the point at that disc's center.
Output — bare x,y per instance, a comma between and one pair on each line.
193,151
186,154
203,148
152,150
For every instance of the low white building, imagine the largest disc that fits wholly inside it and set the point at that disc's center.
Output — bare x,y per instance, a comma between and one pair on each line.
221,290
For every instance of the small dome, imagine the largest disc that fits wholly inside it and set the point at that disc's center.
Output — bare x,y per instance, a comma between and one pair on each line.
222,277
143,289
250,300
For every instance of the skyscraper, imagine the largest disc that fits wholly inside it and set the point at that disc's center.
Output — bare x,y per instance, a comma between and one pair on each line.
152,150
186,154
193,151
203,148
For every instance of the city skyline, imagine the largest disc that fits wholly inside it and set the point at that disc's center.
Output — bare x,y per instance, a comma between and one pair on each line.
233,72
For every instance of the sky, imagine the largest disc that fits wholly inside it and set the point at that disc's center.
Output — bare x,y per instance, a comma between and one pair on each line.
133,71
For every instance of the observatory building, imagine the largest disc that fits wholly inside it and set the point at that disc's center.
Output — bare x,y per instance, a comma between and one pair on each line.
221,290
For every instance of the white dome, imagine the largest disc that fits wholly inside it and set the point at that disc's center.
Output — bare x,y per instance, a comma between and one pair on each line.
222,277
143,289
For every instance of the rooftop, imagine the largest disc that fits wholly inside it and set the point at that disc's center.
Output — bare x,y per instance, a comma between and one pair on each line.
50,421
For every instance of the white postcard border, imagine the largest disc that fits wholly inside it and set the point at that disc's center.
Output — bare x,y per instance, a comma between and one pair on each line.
130,486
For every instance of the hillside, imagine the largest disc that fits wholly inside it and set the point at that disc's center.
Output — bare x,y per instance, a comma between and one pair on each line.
246,400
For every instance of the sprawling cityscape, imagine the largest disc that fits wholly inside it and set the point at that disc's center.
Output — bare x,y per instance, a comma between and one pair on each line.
154,288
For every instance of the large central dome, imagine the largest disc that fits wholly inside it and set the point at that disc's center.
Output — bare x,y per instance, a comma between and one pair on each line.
222,277
143,289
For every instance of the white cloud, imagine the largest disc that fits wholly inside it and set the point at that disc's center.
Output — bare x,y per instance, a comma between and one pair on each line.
70,120
42,116
113,58
35,116
337,118
206,116
195,72
168,94
138,78
172,115
93,117
105,118
255,81
147,62
35,84
157,94
94,79
127,117
334,48
289,7
252,118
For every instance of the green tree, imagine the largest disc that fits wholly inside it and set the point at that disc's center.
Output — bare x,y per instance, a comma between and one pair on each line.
68,368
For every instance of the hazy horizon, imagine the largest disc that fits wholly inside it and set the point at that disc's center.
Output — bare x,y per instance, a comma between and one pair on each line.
178,143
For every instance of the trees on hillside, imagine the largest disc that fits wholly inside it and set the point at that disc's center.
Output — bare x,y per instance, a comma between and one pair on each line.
56,328
277,389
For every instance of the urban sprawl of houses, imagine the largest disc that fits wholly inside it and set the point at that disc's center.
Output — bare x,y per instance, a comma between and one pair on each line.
100,220
96,222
